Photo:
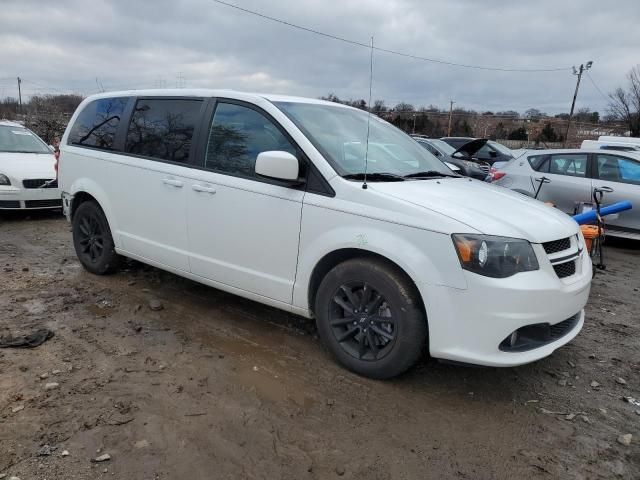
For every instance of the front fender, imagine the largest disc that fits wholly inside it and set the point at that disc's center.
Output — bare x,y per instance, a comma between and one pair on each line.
426,257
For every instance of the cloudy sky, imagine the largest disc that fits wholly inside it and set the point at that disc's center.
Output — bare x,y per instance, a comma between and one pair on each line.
64,45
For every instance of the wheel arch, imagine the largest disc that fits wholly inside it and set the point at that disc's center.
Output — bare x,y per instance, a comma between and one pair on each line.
336,257
523,192
79,198
87,190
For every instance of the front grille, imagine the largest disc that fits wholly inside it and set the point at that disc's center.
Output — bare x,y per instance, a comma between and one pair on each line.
537,335
56,202
485,167
557,245
39,182
565,269
9,204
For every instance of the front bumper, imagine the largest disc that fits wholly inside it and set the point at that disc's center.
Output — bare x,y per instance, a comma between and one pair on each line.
15,198
470,325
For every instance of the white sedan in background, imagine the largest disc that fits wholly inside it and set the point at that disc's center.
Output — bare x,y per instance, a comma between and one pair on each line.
27,170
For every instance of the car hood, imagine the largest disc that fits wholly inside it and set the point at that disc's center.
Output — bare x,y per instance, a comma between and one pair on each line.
470,148
27,165
483,207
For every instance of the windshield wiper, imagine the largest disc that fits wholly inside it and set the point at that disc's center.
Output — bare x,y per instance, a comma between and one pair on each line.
375,177
430,174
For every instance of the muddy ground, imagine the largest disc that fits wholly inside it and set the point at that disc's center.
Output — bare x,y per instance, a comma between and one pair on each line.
214,386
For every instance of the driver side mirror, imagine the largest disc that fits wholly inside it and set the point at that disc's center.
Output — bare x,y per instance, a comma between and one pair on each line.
278,165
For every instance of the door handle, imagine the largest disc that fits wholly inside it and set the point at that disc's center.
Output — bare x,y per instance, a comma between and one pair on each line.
543,180
172,182
604,189
203,189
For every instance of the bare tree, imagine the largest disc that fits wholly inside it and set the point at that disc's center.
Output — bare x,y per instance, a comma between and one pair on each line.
624,104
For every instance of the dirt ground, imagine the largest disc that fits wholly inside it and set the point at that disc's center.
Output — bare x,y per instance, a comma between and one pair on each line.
214,386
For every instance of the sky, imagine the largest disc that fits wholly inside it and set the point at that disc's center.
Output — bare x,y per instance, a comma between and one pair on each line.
83,46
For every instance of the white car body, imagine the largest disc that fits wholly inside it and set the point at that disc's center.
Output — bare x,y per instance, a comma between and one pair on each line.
32,177
264,241
619,139
606,144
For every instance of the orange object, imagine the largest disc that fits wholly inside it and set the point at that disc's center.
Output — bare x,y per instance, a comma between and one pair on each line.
464,249
590,233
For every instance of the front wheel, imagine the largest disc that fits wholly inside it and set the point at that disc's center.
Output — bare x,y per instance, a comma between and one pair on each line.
92,239
370,317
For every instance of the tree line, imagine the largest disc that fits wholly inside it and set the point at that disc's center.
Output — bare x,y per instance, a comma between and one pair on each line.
623,110
47,115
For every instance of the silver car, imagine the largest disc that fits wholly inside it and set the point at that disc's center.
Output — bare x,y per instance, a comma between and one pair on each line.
572,175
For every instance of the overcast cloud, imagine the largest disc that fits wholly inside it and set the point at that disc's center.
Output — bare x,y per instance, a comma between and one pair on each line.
64,45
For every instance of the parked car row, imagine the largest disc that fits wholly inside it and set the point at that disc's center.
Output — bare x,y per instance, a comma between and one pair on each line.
462,158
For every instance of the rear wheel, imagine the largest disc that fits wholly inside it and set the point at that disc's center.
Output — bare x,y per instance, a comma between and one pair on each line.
93,241
370,317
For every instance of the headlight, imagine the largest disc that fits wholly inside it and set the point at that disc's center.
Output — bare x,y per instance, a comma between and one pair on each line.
497,257
4,180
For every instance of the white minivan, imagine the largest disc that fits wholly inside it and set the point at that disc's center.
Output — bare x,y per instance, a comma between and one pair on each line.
264,196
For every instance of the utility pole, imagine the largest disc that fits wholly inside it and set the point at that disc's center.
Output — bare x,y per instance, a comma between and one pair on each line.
19,94
414,123
451,102
577,72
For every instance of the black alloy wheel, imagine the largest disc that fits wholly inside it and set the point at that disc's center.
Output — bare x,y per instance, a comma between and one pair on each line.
361,321
370,316
92,239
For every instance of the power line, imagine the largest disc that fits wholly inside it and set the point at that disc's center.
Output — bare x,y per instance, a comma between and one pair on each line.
385,50
596,87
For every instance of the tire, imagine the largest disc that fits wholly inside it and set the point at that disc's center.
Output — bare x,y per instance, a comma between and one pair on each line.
398,344
92,240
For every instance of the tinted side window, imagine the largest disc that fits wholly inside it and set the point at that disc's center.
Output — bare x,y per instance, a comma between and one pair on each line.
163,129
97,123
618,169
238,134
574,165
539,163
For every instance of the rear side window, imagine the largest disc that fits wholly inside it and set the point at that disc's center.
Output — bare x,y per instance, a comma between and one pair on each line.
163,129
574,165
238,134
618,169
539,163
97,123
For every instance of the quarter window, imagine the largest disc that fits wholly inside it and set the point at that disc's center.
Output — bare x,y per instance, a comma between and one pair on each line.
163,129
97,124
574,165
618,169
539,163
238,134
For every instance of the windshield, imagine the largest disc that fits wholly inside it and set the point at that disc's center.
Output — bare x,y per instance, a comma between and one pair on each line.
501,148
340,134
443,146
20,140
